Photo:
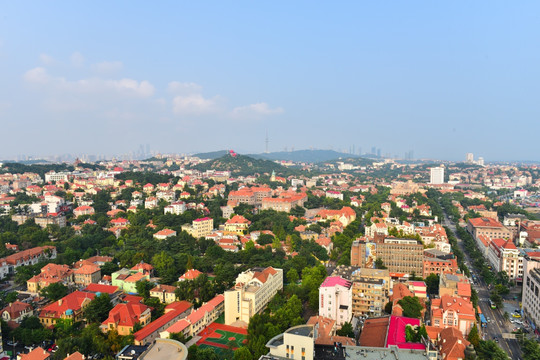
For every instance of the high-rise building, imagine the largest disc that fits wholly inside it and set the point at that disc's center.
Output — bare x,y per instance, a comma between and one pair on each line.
470,157
480,161
437,175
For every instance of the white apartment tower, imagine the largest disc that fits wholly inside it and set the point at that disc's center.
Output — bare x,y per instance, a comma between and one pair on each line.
437,175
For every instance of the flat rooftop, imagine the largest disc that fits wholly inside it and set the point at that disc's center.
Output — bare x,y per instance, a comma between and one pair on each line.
165,349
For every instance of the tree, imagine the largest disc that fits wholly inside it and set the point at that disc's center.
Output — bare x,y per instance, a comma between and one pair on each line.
432,283
242,353
388,307
474,336
292,276
489,350
55,291
298,211
379,264
346,330
98,309
143,288
411,307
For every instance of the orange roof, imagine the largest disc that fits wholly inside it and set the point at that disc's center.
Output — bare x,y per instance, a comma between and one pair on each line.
87,269
191,274
73,301
126,314
485,222
374,332
238,219
36,354
75,356
171,311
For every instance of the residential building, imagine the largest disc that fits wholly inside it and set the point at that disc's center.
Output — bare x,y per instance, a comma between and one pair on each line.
164,234
505,256
15,312
455,285
370,291
70,307
127,280
398,255
165,293
531,294
37,354
448,311
50,273
200,227
198,319
489,227
335,299
124,316
237,225
87,274
173,312
345,215
191,274
50,219
285,202
83,210
437,175
176,208
438,266
297,342
253,291
250,196
452,345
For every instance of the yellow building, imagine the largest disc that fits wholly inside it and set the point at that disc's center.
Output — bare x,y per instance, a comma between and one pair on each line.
370,292
253,291
200,227
237,225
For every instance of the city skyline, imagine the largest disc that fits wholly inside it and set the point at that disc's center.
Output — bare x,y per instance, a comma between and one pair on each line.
438,80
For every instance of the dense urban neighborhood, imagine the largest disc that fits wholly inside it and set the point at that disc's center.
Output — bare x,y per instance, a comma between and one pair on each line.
228,256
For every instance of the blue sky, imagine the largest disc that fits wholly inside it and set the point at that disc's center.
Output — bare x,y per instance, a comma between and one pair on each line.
441,79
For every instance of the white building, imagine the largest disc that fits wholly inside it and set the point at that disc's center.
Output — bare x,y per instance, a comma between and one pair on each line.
437,175
335,299
253,291
505,256
531,287
470,157
54,176
176,208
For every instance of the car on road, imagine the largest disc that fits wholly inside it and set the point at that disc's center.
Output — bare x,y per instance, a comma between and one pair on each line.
12,343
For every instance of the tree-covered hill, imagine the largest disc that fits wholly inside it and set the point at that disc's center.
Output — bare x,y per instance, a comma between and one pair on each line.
245,165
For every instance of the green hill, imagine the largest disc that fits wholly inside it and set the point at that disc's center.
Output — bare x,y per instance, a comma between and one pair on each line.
212,155
244,165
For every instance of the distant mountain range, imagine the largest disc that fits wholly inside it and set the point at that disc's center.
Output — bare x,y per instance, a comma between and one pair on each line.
307,156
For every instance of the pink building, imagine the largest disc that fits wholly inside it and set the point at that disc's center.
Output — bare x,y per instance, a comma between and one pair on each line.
335,299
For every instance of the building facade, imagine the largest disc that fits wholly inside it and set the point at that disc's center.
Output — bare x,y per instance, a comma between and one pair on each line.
335,299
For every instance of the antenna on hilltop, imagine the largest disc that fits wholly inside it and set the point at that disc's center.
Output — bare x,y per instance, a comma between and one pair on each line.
266,142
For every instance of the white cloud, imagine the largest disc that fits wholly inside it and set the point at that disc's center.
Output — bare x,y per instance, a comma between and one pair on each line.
194,104
77,59
107,67
37,76
46,59
255,110
40,76
186,88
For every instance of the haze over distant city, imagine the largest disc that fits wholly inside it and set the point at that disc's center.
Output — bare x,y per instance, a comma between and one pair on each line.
439,79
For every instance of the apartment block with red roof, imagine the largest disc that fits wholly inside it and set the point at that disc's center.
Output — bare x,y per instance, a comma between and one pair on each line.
448,311
198,319
488,227
285,202
173,313
253,291
37,354
438,266
452,345
70,307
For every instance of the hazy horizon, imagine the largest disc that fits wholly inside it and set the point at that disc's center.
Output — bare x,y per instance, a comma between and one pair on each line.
439,79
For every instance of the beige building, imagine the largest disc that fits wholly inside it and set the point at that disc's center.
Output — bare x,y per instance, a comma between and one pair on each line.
488,227
370,291
87,274
165,293
398,255
297,342
253,291
200,227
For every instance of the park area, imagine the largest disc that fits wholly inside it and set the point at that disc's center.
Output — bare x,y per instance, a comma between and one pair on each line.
221,337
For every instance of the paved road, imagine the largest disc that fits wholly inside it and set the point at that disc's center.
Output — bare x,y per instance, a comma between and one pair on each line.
497,326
